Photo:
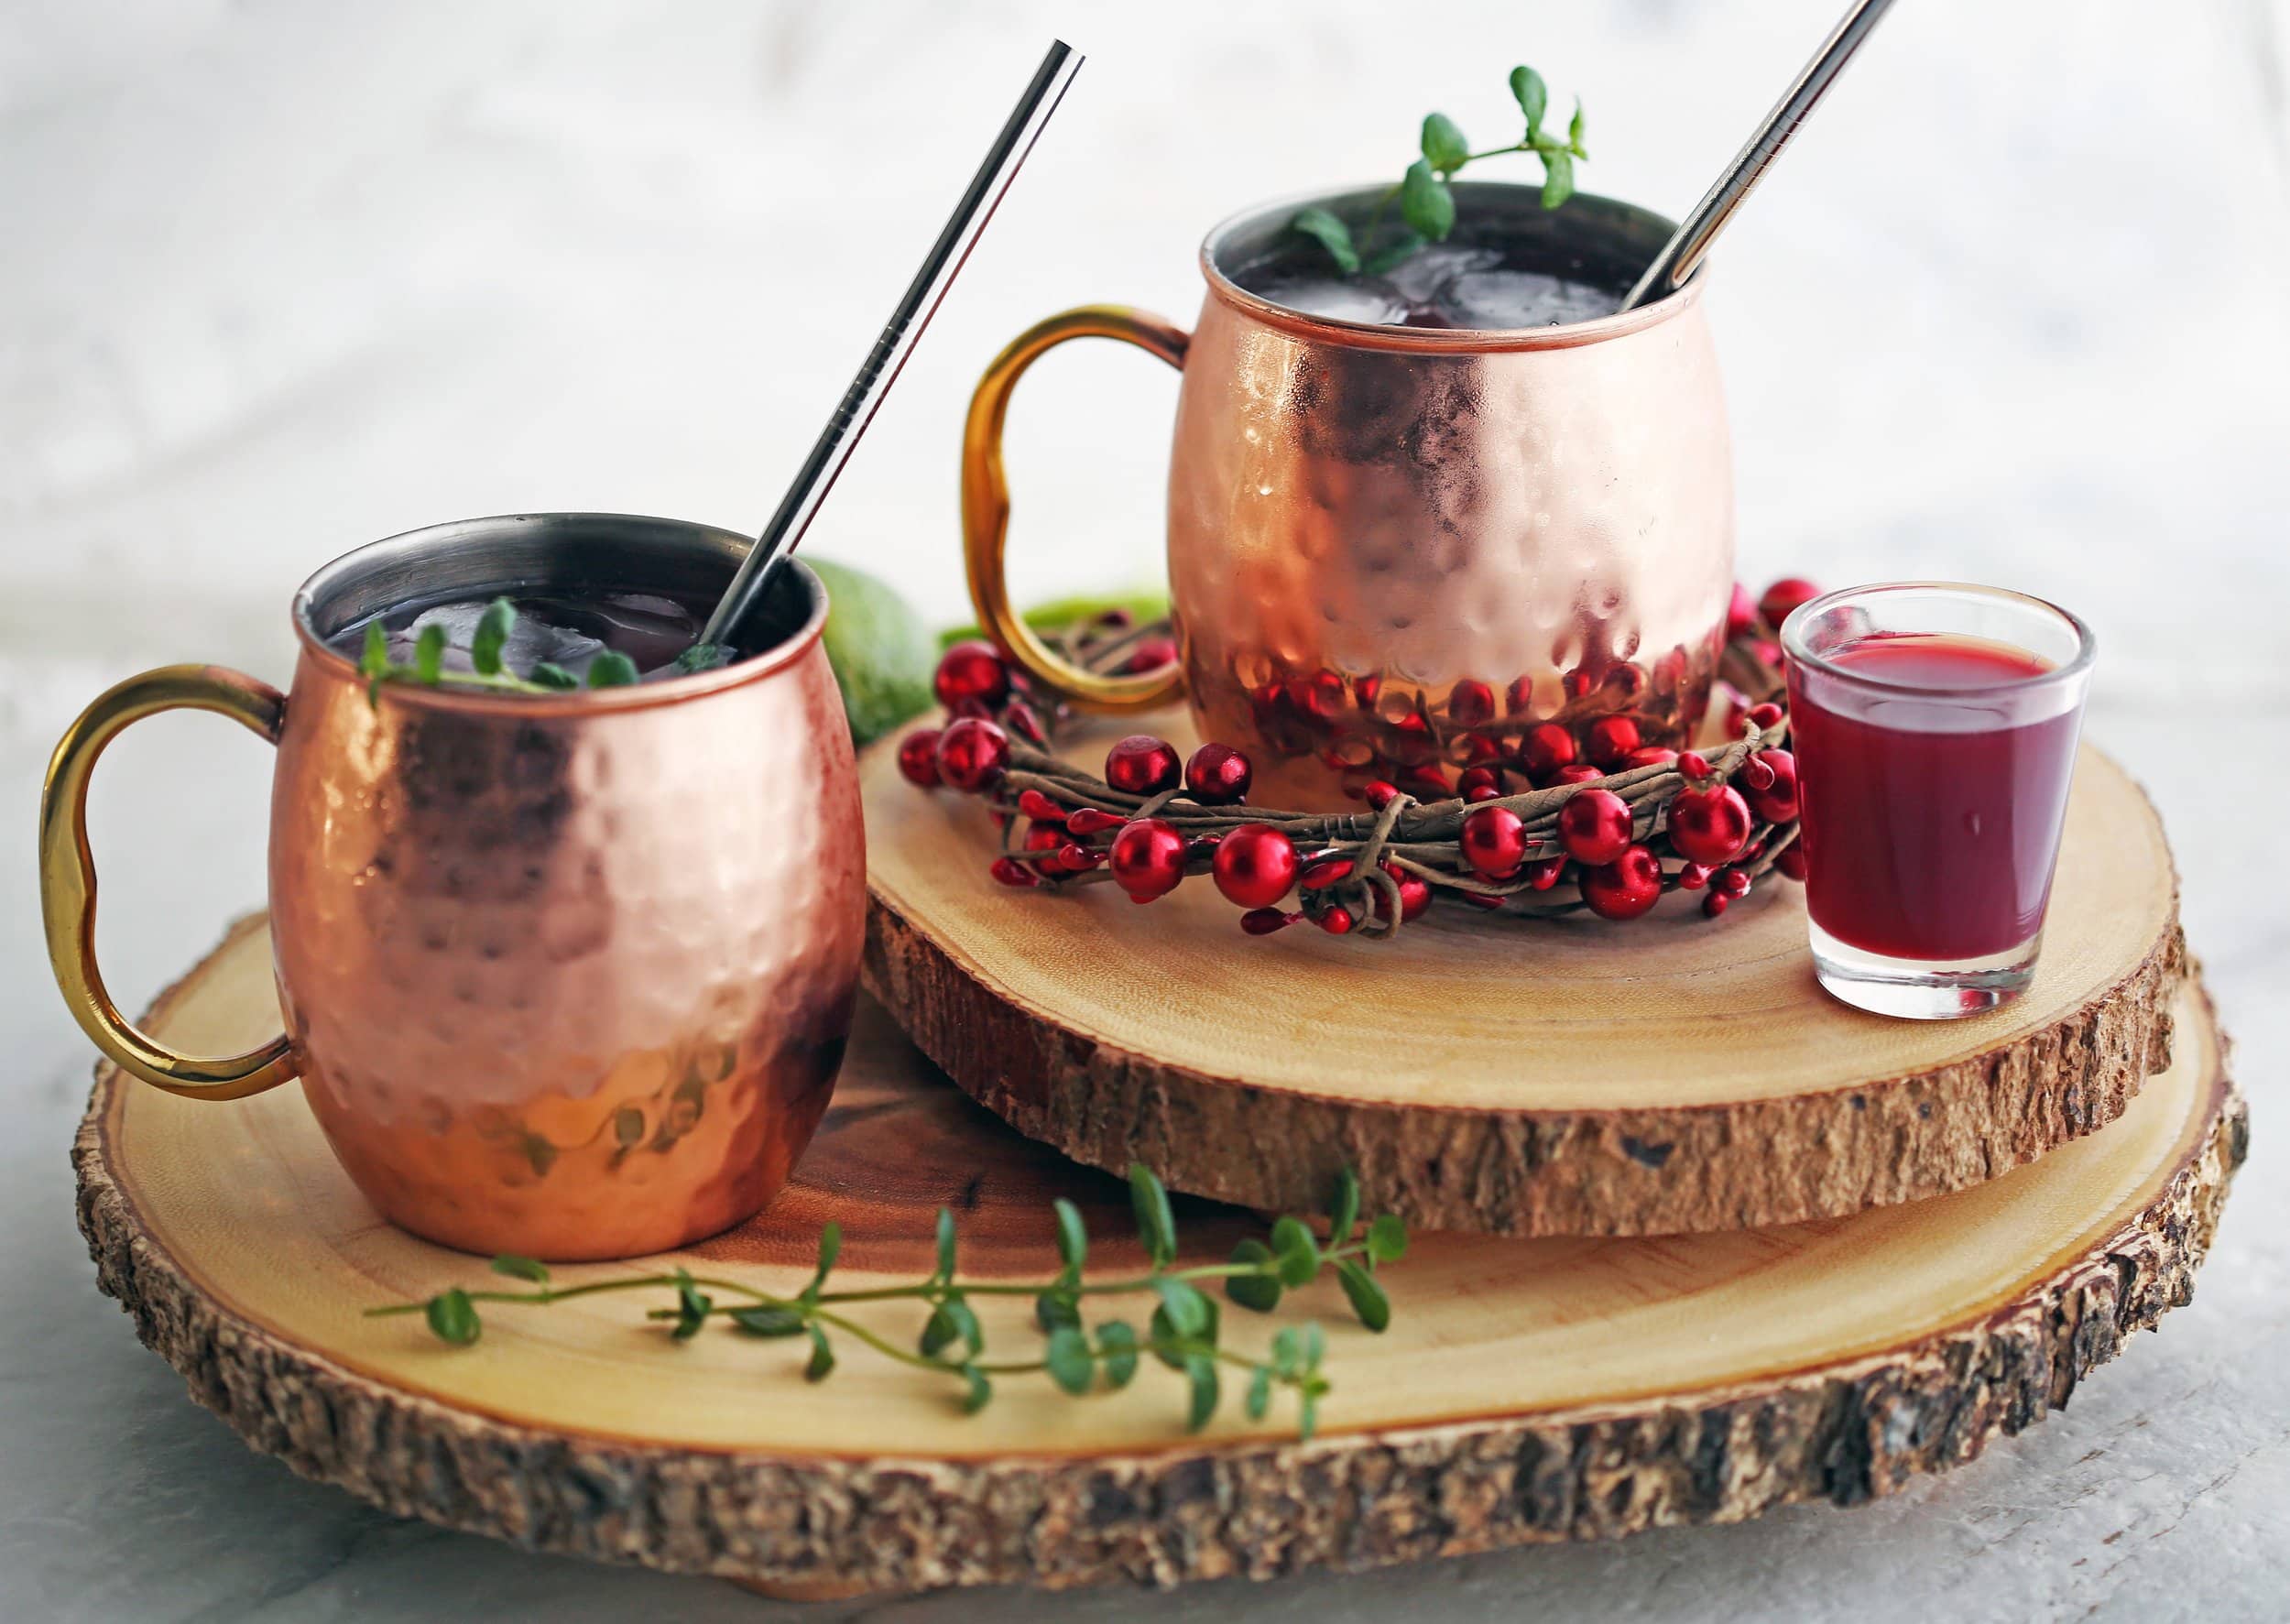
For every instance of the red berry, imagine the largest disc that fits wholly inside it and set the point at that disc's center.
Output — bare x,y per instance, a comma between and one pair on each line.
1781,598
1545,749
1581,772
973,754
1494,841
1263,922
1756,773
1693,766
1776,800
1478,901
1790,859
1078,859
1142,765
1147,858
1044,837
1379,793
1115,618
1742,616
1542,875
1416,895
1470,703
1255,864
1040,807
1011,872
1479,783
1426,784
1150,654
1019,718
1730,882
1324,873
1087,819
1765,716
1610,739
1218,775
1336,922
1650,756
1595,826
1366,690
918,758
971,670
1483,792
1716,903
1625,887
1709,826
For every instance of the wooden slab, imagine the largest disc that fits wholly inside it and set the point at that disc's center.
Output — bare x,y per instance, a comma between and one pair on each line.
1527,1391
1573,1077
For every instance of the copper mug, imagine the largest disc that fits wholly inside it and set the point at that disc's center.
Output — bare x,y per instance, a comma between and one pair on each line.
1393,551
568,975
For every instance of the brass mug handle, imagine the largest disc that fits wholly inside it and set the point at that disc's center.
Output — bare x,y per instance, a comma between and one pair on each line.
985,506
67,877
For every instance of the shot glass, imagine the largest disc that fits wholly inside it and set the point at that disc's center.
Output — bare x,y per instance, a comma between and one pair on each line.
1934,728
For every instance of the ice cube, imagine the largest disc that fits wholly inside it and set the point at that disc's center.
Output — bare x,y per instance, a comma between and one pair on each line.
1366,300
1498,300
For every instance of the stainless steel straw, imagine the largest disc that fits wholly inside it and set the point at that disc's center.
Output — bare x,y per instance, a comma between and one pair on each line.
1683,251
920,303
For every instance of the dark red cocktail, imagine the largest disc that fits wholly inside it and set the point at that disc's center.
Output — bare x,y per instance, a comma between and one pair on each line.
1935,729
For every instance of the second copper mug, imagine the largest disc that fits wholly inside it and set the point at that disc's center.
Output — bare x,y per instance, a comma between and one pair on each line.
567,975
1396,550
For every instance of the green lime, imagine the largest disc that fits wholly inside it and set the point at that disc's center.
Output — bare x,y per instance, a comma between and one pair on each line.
881,652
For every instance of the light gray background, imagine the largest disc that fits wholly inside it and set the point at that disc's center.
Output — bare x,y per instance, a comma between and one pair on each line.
276,280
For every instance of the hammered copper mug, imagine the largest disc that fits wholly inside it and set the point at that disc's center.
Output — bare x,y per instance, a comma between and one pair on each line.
568,975
1393,551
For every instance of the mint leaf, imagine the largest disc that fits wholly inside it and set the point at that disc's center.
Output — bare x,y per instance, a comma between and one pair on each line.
611,668
1425,204
493,631
1534,95
428,654
453,1317
1331,233
1558,179
1444,147
547,673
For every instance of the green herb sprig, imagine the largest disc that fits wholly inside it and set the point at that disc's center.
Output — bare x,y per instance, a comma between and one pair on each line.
1427,205
1184,1331
610,669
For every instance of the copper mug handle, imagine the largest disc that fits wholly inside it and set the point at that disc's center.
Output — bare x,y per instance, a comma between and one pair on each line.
67,877
985,506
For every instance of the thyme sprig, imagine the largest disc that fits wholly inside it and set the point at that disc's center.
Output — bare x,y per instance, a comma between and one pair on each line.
1427,205
1183,1332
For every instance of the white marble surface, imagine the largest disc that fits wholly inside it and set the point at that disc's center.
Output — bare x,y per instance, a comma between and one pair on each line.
281,278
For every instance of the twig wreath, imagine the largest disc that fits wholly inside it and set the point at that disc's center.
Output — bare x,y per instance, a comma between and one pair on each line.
1603,823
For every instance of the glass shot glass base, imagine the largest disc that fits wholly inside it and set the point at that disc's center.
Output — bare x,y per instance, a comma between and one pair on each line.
1922,990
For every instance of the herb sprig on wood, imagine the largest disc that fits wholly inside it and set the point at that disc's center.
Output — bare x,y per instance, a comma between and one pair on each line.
1079,1354
1427,205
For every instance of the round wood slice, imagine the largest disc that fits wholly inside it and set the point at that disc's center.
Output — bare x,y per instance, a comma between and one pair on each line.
1527,1391
1673,1074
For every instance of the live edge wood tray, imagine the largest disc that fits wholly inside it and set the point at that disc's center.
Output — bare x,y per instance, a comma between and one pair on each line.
1669,1075
1527,1391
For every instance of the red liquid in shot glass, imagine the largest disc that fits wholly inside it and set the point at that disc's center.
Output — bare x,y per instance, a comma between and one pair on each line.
1927,835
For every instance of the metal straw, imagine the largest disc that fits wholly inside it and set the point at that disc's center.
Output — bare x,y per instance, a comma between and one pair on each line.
1683,251
817,475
